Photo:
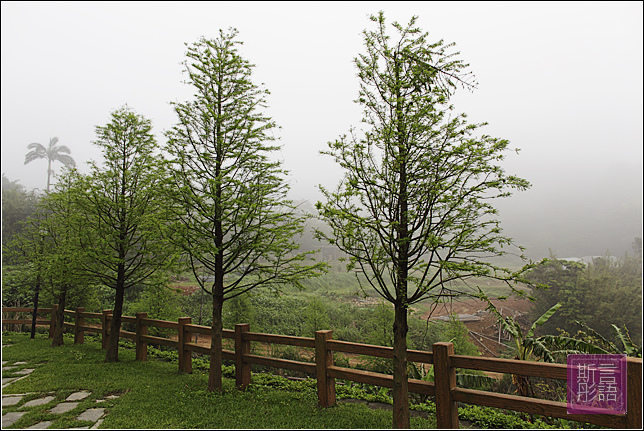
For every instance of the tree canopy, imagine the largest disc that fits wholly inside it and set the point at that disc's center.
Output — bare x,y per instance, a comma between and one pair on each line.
413,210
126,218
236,222
53,153
600,294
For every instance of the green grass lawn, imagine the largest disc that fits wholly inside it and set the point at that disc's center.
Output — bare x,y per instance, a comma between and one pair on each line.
154,394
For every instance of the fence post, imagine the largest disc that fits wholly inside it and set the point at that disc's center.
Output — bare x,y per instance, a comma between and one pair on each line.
184,336
52,324
141,347
323,360
444,381
105,328
242,347
79,334
634,393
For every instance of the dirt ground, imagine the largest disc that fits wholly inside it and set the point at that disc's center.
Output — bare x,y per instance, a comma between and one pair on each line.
484,331
471,306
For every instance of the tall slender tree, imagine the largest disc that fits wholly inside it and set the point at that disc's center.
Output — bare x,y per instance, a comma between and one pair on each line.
62,260
52,153
238,224
26,250
48,245
125,215
413,210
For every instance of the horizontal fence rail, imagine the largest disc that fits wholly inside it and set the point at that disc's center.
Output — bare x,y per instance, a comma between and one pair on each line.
24,321
445,390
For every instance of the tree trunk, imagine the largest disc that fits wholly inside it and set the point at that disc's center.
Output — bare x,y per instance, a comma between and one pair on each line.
214,375
60,319
112,354
401,262
400,389
34,315
48,172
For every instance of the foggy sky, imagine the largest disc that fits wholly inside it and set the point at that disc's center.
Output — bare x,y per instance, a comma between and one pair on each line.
561,81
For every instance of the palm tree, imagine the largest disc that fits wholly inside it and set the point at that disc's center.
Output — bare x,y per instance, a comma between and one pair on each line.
52,153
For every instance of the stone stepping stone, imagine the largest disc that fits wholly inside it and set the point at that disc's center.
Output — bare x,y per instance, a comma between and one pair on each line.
63,408
109,397
91,415
20,363
10,401
6,381
38,402
25,371
9,380
8,419
40,425
77,396
8,367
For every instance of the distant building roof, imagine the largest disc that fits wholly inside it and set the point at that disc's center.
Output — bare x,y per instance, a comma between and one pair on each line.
589,259
460,317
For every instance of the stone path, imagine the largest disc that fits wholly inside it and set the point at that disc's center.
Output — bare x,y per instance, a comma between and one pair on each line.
18,408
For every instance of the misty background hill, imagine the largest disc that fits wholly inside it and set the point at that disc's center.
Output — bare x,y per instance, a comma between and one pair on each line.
561,224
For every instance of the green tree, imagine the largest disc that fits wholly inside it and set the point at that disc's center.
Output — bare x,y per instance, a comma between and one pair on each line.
62,260
237,222
413,210
612,295
52,153
559,281
125,213
17,206
26,252
22,245
603,293
48,246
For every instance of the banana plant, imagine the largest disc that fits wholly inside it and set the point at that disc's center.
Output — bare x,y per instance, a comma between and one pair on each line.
590,341
528,346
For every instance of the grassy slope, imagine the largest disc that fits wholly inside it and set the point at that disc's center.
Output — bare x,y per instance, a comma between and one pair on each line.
155,395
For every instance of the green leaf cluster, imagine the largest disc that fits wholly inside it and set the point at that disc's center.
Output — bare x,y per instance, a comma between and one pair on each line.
236,225
413,211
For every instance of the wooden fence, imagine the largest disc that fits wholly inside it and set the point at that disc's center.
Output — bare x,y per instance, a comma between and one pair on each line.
445,390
